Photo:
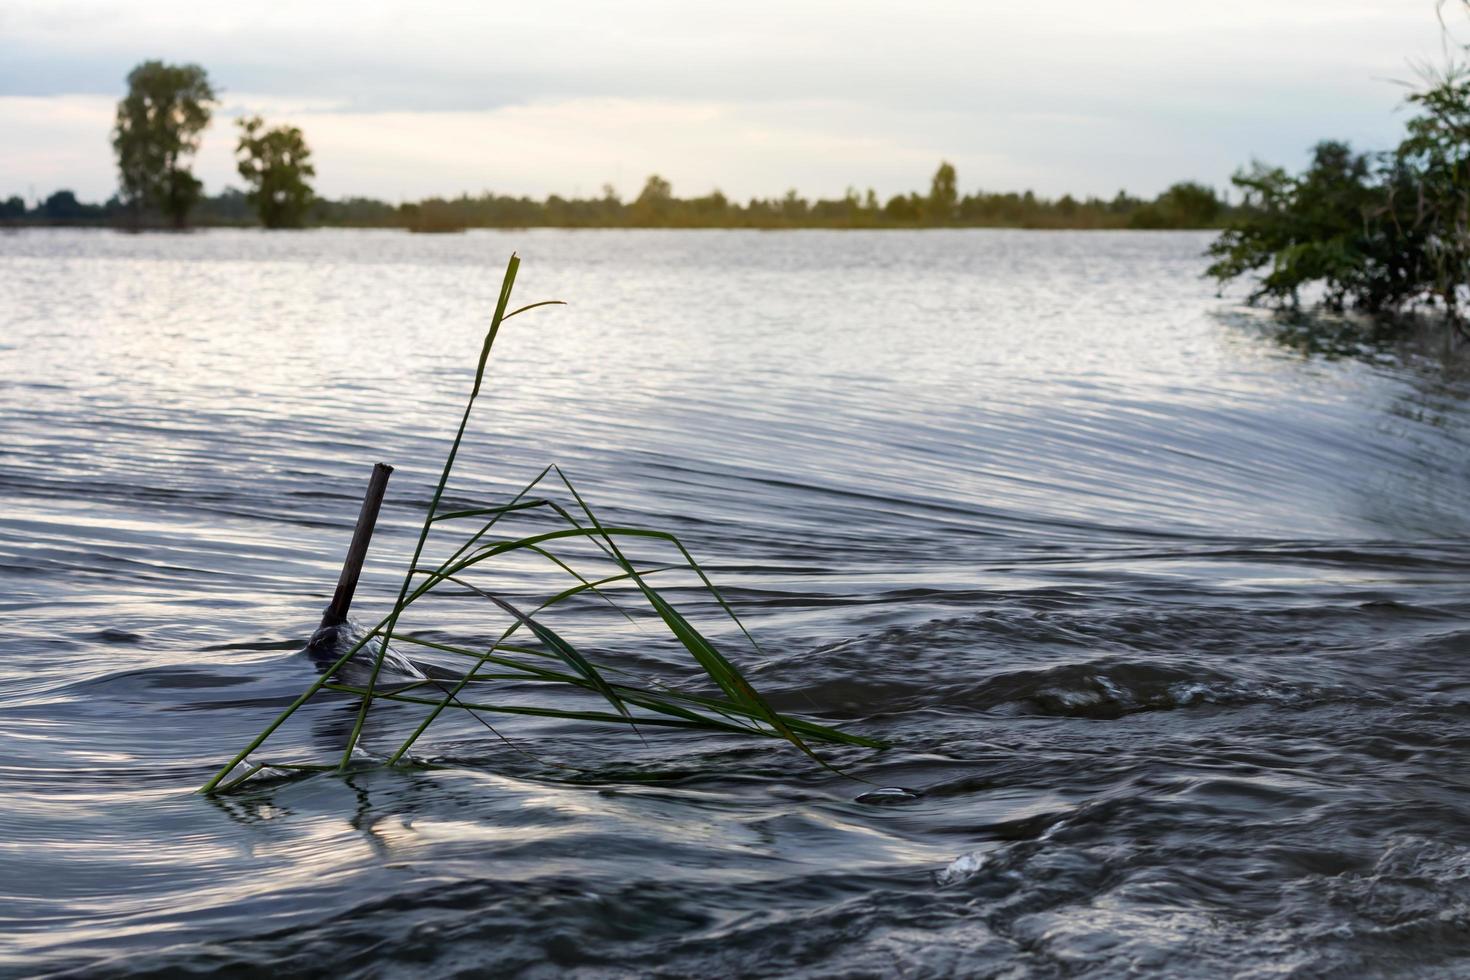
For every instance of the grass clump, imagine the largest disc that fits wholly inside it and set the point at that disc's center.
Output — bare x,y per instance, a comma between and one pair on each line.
525,649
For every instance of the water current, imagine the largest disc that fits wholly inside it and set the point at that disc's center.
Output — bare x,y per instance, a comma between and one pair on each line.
1167,622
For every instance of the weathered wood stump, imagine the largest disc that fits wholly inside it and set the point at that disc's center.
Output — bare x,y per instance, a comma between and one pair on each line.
362,535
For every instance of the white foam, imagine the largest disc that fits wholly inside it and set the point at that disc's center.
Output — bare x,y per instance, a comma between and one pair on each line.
962,867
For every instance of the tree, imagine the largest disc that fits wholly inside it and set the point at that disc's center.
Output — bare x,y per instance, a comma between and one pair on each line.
654,201
1428,189
157,132
64,206
12,208
903,209
1376,233
656,189
793,206
1298,230
944,195
276,163
1184,205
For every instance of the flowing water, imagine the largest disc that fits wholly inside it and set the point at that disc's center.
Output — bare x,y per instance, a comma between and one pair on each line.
1168,623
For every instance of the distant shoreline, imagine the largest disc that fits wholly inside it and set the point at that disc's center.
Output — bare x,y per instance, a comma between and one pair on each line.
1185,205
18,226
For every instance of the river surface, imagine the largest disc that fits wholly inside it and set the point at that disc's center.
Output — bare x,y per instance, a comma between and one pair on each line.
1168,623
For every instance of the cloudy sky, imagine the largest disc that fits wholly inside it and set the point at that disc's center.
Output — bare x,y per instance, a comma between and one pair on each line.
402,100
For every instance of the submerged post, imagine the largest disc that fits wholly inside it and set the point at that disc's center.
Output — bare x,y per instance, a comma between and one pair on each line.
336,613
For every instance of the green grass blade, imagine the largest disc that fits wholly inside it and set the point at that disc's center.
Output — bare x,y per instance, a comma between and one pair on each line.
507,283
551,659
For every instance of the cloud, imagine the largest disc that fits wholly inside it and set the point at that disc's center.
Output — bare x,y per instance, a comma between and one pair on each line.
753,97
55,142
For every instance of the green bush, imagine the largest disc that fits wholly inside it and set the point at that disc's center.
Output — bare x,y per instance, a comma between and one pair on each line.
1377,233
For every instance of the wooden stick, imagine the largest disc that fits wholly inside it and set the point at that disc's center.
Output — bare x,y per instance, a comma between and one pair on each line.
367,519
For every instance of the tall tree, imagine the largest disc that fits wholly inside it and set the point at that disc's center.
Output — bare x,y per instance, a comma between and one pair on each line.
276,162
654,202
944,195
157,133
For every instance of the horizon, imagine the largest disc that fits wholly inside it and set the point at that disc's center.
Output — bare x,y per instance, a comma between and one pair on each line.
1133,100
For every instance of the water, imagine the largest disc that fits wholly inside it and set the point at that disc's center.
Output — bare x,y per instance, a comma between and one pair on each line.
1169,623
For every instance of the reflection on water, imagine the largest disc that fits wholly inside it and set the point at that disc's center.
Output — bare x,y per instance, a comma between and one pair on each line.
1167,620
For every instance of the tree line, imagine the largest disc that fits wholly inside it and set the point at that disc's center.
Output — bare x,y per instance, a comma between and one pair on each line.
161,119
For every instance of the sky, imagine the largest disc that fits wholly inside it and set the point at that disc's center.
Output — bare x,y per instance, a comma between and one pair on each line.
405,100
